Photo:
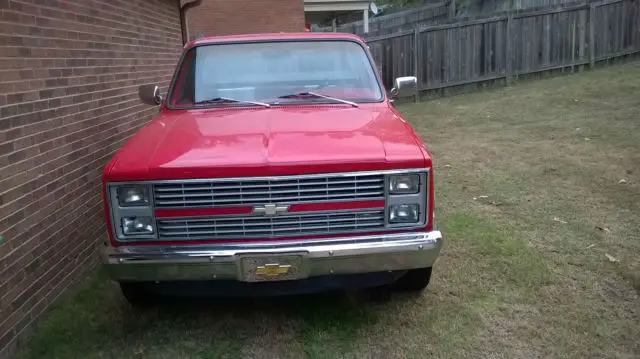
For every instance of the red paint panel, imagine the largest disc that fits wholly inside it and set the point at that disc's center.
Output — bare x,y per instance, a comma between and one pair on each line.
335,206
256,142
202,212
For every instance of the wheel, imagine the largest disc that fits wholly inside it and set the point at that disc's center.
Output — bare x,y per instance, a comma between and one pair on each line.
414,280
137,294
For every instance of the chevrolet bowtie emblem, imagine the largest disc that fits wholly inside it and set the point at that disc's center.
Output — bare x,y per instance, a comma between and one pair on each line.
273,269
270,209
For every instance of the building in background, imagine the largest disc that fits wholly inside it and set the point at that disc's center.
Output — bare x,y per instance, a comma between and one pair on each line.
325,12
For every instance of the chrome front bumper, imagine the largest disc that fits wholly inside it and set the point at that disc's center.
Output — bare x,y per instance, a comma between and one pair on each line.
343,255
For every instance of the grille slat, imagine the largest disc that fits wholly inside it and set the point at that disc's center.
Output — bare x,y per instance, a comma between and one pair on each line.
259,191
192,224
260,200
269,227
244,193
221,186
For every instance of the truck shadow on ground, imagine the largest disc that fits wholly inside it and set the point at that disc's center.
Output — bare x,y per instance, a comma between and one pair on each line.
249,322
352,305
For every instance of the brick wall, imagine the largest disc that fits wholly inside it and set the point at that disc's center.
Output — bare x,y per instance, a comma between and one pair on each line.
69,71
229,17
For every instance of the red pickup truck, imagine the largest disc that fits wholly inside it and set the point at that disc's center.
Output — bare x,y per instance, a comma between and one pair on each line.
277,164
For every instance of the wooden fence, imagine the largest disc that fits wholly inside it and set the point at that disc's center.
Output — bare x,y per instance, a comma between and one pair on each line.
469,8
436,12
510,44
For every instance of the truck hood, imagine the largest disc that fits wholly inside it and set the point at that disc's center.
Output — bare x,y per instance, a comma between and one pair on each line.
239,142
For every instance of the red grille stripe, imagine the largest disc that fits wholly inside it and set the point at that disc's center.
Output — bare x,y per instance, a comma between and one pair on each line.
301,207
335,206
202,212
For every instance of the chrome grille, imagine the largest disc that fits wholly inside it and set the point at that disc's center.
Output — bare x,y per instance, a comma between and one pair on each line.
218,193
269,227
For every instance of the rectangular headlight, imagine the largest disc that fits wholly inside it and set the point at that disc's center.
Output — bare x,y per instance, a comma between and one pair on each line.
132,226
404,213
404,184
133,196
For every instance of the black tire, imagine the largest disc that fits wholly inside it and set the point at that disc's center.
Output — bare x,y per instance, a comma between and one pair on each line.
137,294
414,280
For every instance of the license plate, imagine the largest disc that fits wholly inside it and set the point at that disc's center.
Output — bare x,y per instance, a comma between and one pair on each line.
269,268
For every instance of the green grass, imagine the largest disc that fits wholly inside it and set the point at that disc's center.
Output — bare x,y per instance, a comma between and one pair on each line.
523,272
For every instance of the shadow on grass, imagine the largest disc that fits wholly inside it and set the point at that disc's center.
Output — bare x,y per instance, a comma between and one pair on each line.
96,321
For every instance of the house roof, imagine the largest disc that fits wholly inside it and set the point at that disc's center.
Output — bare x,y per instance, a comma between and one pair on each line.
272,36
336,5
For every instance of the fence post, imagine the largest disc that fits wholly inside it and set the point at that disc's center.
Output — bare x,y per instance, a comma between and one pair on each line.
592,42
582,37
416,61
573,46
508,49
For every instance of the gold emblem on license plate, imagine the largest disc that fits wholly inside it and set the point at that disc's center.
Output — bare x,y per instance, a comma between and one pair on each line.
273,269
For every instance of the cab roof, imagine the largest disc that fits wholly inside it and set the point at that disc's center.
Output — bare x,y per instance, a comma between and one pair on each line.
275,37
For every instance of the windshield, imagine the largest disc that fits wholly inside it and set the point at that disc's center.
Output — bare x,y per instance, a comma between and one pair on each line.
266,71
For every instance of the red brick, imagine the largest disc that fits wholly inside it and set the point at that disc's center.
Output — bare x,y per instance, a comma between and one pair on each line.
213,18
69,70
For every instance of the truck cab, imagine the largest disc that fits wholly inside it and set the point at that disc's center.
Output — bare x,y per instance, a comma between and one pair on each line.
276,165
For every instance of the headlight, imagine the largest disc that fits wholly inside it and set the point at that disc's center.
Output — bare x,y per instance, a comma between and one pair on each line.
404,213
404,184
132,226
132,213
133,196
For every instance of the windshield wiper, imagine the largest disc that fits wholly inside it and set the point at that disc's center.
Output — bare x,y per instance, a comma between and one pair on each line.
313,94
226,99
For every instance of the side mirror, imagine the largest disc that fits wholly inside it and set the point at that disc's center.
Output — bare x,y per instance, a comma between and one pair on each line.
150,94
404,86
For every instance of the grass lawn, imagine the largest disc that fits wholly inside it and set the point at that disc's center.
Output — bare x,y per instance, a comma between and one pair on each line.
536,184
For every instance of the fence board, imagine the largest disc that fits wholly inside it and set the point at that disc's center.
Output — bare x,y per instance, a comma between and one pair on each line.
416,64
499,48
582,36
508,58
512,44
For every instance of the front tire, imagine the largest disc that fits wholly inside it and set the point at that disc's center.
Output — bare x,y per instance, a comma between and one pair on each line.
137,294
415,280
